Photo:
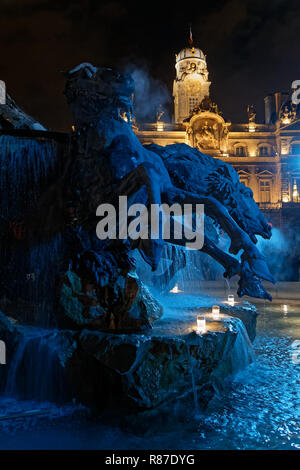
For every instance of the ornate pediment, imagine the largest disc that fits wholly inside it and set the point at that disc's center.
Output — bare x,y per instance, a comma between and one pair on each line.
207,130
261,173
243,173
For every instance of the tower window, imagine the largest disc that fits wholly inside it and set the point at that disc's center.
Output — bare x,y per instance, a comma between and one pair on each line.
265,190
192,103
240,151
263,151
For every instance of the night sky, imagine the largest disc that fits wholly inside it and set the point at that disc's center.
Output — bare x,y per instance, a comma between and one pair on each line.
252,47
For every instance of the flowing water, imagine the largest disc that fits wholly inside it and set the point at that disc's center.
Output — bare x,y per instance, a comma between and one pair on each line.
259,408
27,167
35,371
242,353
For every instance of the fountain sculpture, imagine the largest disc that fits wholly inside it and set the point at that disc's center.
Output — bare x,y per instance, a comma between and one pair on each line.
75,302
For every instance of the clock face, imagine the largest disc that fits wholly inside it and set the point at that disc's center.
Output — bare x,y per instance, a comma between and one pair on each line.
193,66
193,87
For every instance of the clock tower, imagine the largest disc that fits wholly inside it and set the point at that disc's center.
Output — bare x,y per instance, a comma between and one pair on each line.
191,84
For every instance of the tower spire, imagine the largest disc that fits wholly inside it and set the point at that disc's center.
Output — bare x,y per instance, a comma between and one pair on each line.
191,36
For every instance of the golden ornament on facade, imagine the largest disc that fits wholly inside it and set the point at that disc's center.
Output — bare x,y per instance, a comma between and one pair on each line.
193,87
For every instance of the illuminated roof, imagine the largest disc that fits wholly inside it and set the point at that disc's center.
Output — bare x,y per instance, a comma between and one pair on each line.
190,52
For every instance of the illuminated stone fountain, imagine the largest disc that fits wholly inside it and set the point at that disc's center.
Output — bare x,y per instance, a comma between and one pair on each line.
78,299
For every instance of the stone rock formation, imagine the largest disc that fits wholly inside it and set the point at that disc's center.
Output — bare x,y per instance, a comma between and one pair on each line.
124,303
245,311
133,372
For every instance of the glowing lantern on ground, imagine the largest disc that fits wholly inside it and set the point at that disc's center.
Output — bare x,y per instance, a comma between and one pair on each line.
175,290
231,300
215,312
201,325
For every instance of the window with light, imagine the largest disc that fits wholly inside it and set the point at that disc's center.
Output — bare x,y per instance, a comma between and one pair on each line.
263,151
265,190
240,151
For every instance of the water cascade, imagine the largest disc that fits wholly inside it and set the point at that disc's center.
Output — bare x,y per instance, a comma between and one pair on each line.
242,353
27,166
178,265
28,270
36,368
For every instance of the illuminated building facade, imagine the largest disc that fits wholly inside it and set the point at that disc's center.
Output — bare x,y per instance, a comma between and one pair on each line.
266,155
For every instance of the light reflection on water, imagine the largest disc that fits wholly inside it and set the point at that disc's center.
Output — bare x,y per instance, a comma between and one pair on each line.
260,409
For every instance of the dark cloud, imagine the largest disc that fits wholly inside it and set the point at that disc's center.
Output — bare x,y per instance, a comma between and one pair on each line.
251,45
255,53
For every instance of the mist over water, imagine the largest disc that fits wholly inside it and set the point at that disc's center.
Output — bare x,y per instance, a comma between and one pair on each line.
282,252
276,242
149,95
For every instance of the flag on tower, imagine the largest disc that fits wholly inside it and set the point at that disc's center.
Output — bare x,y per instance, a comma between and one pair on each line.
191,36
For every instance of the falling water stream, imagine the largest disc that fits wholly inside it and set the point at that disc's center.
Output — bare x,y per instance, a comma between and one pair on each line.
27,164
227,284
35,372
28,270
195,393
242,353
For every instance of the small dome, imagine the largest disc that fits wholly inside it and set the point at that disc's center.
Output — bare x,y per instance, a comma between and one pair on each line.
189,53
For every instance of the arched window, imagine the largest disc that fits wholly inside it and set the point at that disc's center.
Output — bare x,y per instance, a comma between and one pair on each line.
263,151
240,151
